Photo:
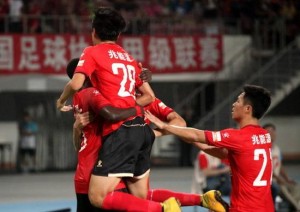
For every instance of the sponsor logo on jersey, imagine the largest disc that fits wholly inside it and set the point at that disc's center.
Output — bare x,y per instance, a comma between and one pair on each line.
225,135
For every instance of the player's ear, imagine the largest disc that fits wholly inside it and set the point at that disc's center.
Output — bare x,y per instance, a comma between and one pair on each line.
248,108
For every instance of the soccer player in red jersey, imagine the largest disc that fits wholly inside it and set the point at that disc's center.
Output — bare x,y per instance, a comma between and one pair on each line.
160,195
211,199
125,152
87,136
248,149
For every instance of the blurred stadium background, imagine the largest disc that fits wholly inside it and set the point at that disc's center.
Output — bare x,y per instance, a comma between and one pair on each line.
201,52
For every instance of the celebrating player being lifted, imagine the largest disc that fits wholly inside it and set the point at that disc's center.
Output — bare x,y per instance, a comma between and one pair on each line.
125,152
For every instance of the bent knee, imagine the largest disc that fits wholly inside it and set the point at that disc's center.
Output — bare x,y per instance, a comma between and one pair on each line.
96,199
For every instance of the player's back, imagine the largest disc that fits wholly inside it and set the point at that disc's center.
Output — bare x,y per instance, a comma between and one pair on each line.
116,75
251,166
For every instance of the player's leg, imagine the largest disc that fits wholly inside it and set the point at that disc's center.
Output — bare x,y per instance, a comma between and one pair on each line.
138,186
32,160
185,199
84,204
117,157
100,187
209,200
24,160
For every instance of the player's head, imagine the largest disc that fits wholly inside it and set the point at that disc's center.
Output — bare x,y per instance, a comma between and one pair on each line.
71,67
107,24
271,129
254,101
259,98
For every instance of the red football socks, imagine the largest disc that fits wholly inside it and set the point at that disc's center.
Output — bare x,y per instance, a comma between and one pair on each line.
185,199
126,202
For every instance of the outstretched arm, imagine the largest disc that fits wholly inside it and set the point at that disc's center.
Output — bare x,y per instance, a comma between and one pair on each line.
71,87
212,150
188,134
114,114
173,118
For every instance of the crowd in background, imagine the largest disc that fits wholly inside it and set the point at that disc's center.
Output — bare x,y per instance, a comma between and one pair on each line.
231,11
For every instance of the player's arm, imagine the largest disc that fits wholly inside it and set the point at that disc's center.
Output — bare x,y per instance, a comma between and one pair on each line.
147,95
173,118
71,87
114,114
81,120
188,134
218,152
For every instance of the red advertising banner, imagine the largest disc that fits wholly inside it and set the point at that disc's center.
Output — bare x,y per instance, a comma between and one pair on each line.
49,54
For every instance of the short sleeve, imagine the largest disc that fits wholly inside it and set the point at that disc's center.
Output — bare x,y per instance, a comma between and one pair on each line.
224,138
86,64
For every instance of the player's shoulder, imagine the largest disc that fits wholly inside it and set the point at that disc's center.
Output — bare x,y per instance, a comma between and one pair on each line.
228,133
231,130
88,50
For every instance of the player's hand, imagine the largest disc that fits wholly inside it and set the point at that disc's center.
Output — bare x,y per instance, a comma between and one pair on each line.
146,74
82,119
158,123
66,108
60,104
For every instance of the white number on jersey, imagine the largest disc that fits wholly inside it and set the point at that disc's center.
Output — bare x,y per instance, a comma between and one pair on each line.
128,75
258,181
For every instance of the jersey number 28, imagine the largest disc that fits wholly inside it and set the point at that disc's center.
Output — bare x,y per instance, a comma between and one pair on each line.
128,75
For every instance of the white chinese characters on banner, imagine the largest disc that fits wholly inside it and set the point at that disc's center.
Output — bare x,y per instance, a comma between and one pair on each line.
160,53
185,52
29,56
6,53
49,54
55,53
210,54
77,45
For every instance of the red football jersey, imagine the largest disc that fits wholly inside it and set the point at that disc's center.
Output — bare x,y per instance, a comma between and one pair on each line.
159,109
113,72
249,155
88,99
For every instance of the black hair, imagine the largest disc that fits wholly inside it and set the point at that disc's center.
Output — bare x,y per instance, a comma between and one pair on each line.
269,125
71,67
259,98
108,23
